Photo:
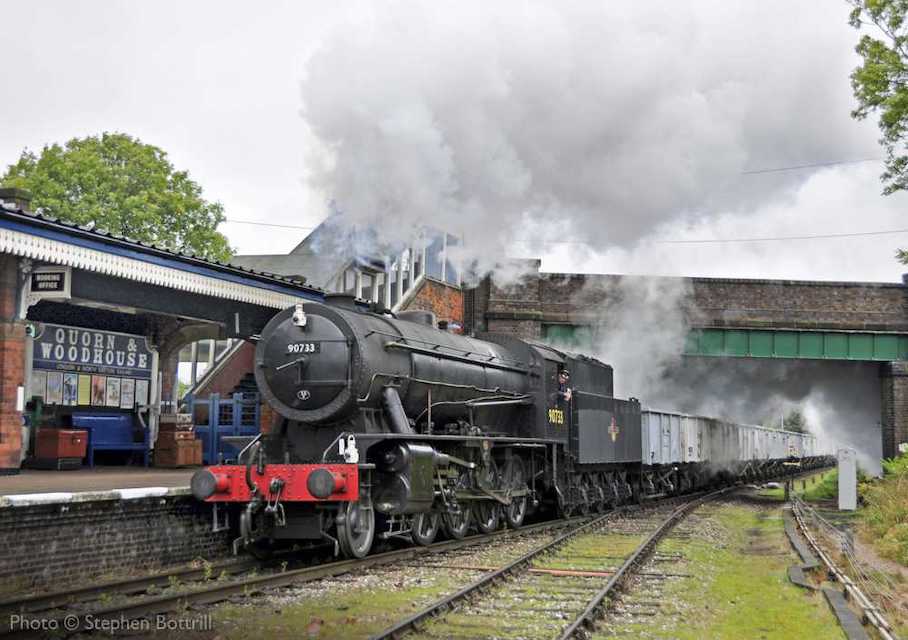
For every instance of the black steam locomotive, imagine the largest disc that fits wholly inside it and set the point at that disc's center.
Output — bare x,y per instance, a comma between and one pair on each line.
392,427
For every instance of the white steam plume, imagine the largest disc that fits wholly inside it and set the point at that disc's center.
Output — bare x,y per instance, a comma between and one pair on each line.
639,327
516,124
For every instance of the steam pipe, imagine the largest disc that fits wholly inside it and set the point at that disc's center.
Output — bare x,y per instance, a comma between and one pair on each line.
395,410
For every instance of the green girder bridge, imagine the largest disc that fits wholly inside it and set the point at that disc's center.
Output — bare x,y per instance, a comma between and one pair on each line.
800,344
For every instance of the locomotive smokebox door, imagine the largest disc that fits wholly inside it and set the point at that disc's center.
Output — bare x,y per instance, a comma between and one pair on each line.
303,363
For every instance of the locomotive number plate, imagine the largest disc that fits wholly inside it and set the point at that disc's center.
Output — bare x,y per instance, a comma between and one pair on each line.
556,416
304,347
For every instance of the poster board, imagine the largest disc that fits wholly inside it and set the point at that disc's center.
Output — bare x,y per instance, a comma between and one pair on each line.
81,367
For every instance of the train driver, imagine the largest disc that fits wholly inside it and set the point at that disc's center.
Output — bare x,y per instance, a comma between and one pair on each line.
564,391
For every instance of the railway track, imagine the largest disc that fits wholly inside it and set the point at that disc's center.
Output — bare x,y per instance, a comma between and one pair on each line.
626,537
871,612
189,587
560,588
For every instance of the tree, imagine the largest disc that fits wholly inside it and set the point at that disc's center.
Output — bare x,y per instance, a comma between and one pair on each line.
126,187
795,421
881,83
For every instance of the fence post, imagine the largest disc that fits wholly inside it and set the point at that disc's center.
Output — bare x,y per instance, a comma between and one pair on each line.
214,420
237,413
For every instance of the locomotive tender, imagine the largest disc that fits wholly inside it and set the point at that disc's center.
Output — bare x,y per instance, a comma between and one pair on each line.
392,427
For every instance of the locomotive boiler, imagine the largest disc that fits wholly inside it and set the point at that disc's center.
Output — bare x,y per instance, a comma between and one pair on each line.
391,427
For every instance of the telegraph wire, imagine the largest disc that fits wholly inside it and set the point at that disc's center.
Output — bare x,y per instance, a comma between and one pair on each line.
813,165
824,236
268,224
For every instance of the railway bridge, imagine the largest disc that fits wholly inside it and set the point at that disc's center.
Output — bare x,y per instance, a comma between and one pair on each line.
860,322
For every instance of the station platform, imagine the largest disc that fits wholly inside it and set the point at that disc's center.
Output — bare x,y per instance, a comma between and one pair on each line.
98,479
69,527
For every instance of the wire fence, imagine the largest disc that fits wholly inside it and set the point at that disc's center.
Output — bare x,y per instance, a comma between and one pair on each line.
878,593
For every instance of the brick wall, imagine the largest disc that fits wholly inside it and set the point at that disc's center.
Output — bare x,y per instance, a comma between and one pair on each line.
55,545
894,406
709,302
525,329
802,305
12,366
444,300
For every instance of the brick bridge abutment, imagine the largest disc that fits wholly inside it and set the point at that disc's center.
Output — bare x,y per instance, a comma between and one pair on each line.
894,406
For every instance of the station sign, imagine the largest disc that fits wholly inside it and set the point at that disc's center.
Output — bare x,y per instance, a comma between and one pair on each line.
50,282
77,366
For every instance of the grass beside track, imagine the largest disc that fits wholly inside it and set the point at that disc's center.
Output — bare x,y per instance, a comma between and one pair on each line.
822,485
738,586
884,516
356,612
358,605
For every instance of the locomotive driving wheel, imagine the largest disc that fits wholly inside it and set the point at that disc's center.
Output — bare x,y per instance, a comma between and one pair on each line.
487,514
424,527
456,518
356,527
515,480
487,511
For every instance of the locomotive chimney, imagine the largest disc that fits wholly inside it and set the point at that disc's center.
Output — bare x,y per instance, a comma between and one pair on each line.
343,300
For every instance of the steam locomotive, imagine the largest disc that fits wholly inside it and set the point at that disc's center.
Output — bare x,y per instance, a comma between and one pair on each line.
391,427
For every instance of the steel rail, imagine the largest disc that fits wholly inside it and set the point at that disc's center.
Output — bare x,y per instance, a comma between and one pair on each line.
580,626
522,563
255,584
870,610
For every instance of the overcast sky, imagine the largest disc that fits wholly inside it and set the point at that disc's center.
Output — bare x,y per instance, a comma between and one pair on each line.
585,133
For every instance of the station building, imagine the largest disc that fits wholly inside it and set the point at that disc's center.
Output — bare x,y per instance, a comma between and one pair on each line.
90,324
94,328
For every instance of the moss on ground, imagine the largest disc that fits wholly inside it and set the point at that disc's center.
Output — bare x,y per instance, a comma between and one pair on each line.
348,613
738,589
593,552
